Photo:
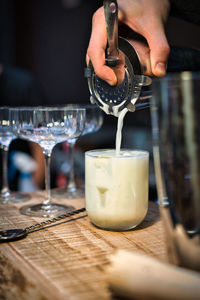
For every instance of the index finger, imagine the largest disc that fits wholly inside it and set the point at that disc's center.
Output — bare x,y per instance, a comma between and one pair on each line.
97,47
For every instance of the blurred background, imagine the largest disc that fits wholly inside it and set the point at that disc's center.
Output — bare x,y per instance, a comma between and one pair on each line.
42,60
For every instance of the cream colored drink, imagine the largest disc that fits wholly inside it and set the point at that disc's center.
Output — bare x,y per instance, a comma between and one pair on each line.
116,187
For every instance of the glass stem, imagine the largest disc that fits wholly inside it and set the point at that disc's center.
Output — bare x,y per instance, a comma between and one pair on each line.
71,184
47,156
5,192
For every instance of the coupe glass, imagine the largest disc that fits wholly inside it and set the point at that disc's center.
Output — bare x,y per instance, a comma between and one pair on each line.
176,137
49,126
93,122
6,137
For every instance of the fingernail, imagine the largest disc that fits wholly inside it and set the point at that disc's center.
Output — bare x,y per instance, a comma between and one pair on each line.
161,68
112,81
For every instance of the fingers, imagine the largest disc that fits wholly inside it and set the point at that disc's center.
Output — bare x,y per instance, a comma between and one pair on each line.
143,53
159,50
96,49
147,18
148,22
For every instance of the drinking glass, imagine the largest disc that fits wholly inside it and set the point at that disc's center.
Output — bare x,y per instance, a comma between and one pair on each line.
175,114
93,122
116,187
6,137
49,126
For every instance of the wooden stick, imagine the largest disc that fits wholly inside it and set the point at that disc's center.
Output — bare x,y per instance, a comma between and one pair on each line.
138,276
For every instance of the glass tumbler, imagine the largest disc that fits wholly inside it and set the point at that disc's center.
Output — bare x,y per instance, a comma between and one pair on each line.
116,188
175,111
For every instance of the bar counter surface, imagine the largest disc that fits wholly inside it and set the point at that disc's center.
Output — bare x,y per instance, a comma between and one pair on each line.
67,261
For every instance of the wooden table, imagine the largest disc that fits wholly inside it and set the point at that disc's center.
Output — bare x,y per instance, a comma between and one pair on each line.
67,261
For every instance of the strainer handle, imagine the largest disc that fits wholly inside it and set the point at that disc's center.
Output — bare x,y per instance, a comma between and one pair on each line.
111,17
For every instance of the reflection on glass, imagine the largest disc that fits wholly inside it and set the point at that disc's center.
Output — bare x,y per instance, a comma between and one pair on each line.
93,122
176,136
6,137
49,126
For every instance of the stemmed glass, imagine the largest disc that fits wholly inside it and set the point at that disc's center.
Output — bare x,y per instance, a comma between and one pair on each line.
49,126
93,122
6,137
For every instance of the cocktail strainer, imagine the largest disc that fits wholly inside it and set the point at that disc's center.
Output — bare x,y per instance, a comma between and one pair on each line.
113,99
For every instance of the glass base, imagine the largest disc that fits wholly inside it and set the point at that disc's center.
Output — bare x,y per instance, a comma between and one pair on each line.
14,197
42,210
68,193
116,228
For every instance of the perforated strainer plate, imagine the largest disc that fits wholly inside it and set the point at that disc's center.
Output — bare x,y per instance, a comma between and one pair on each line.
112,94
112,99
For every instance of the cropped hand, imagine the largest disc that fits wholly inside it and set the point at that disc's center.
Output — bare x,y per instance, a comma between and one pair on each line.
145,17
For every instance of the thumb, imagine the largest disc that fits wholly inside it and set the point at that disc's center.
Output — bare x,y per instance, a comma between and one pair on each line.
159,50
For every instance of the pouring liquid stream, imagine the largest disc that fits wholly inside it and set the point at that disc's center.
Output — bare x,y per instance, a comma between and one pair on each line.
119,130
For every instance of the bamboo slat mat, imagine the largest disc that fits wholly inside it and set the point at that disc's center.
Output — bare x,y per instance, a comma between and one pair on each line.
67,261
